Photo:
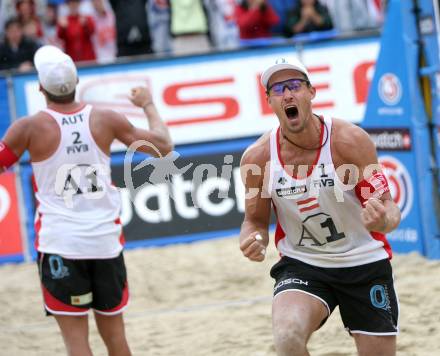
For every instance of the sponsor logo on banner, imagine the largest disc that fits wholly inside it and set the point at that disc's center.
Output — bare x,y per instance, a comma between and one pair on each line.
390,89
399,180
208,195
398,139
10,233
390,93
408,235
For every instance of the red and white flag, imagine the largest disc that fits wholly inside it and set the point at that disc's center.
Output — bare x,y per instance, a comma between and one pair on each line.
307,204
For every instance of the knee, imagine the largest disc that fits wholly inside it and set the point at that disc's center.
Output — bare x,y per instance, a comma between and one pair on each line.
289,339
114,339
77,346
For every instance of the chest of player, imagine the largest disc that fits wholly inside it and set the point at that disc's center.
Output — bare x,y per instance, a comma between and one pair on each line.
286,183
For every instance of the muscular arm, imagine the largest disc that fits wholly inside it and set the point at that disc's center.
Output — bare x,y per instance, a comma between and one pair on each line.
257,206
17,138
382,214
157,139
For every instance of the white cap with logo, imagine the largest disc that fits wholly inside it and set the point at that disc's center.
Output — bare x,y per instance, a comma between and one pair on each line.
280,64
56,71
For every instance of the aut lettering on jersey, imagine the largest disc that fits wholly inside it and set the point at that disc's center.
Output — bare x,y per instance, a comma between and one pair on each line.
72,120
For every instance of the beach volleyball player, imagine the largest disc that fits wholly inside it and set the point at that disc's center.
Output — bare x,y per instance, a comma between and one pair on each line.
78,232
333,209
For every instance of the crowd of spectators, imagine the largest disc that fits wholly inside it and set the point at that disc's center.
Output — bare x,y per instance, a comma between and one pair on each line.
101,30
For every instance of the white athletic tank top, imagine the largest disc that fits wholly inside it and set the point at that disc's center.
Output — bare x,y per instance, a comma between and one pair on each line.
317,221
77,206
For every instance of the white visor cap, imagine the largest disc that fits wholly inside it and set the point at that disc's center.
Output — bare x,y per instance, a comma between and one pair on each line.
56,71
281,64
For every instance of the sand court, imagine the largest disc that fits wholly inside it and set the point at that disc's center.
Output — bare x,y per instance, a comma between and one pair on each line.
206,299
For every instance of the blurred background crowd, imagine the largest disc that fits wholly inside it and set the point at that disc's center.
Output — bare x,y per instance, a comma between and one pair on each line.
103,30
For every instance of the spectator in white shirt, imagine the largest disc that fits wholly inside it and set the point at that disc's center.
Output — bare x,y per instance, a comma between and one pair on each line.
104,39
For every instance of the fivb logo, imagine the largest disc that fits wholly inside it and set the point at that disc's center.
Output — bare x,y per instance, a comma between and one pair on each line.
5,203
400,183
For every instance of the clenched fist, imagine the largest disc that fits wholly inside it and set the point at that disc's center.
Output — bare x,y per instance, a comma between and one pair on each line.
253,247
374,216
141,96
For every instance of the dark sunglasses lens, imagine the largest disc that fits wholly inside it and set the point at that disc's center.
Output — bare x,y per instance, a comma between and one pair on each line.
278,88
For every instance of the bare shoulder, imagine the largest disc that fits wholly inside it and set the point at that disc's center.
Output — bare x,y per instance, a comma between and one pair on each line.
108,123
257,153
107,114
21,127
40,123
19,134
352,144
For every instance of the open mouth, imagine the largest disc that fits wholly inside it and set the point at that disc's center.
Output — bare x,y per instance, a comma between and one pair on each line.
291,112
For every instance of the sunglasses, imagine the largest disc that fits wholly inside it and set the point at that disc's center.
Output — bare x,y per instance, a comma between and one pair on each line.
291,84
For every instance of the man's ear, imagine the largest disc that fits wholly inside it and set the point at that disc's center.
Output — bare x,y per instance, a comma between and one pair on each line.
312,91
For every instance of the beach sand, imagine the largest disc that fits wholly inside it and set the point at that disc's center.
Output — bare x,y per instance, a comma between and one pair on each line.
206,299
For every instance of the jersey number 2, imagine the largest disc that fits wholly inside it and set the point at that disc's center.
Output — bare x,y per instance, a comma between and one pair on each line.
77,140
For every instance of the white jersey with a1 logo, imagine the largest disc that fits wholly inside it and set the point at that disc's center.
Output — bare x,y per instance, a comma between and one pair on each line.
318,219
78,207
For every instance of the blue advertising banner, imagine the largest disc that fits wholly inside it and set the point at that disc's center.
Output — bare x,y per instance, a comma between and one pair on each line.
428,18
396,117
5,117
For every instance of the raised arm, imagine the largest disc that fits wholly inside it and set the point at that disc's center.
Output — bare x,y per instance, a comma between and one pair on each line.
254,236
14,143
157,139
379,213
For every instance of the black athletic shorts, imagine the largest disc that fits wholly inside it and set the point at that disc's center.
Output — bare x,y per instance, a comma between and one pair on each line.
72,287
365,294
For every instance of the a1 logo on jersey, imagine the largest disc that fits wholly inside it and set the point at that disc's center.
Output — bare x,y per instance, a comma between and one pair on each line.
84,180
400,183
